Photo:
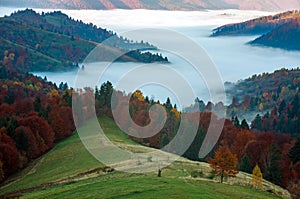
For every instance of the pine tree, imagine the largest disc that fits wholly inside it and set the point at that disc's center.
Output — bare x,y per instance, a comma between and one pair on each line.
282,107
295,105
236,121
244,124
245,164
273,170
168,105
257,123
294,153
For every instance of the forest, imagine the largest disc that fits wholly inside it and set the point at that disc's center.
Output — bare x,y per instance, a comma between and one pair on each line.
256,26
53,42
277,31
36,114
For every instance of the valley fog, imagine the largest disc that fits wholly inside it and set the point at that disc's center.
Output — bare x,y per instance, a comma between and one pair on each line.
233,59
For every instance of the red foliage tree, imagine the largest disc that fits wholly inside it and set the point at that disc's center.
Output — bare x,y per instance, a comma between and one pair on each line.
9,154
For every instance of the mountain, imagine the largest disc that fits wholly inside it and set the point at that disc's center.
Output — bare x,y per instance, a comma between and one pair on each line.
256,26
269,5
61,23
285,37
53,41
278,31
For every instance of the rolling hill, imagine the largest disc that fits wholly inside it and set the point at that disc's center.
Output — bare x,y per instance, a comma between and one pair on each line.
277,31
53,41
76,174
256,26
157,4
285,37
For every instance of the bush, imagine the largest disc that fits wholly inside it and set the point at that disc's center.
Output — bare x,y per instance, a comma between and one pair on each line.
197,174
211,176
149,159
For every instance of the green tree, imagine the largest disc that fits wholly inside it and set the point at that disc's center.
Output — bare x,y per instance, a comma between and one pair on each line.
245,164
106,91
295,106
164,140
294,152
257,123
273,170
168,105
282,107
244,124
236,121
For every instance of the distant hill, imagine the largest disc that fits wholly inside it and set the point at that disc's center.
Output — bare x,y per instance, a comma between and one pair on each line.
278,31
256,26
270,5
61,23
53,41
285,37
263,92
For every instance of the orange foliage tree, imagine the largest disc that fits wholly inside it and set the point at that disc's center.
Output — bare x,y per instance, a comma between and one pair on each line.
224,164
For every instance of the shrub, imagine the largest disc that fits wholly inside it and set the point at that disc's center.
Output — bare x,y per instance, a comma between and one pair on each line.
197,174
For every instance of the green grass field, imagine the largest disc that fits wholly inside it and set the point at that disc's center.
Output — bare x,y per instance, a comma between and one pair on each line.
69,171
120,185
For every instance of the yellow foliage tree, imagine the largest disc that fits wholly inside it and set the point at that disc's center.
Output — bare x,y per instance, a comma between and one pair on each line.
176,113
257,177
139,95
261,107
53,93
11,56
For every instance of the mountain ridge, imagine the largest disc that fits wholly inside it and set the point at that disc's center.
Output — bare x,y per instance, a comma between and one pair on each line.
267,5
285,36
278,31
53,41
257,26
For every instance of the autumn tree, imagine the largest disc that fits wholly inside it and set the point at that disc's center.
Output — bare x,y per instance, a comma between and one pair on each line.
241,142
257,178
139,95
8,153
224,164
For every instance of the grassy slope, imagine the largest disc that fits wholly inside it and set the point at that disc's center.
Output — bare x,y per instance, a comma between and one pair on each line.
146,186
63,174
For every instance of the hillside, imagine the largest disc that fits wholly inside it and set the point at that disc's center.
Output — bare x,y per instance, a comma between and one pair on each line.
158,4
40,50
285,37
61,23
53,41
275,96
56,176
256,26
269,84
